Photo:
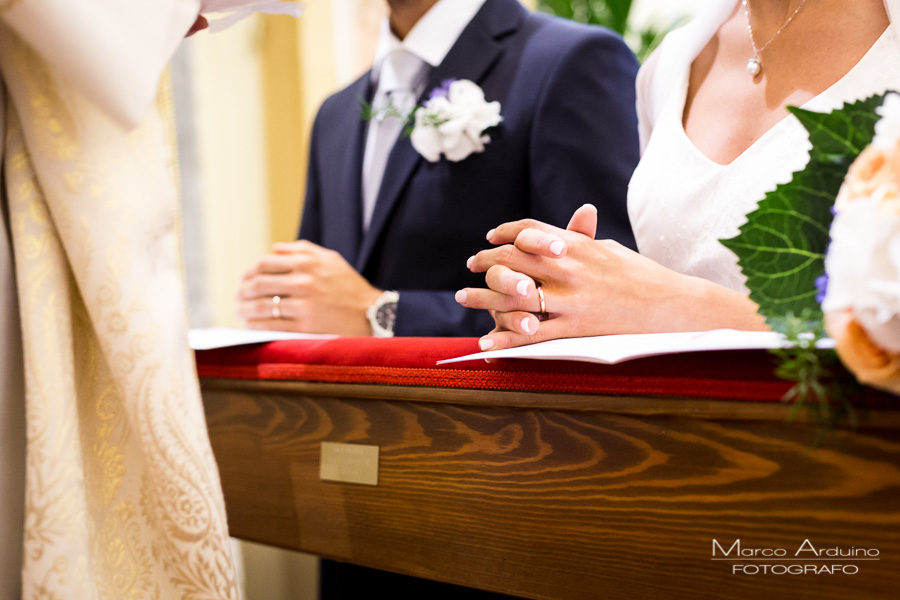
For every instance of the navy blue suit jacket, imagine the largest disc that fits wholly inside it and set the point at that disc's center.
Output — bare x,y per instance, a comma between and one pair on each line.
568,137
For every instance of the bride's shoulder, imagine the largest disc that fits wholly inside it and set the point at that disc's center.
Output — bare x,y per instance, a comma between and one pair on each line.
671,61
682,45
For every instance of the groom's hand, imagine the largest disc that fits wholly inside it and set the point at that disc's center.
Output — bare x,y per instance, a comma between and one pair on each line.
318,291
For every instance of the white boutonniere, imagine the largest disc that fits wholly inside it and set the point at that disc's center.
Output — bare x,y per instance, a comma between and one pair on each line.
454,121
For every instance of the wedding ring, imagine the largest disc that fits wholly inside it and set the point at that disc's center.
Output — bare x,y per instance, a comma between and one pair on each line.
276,307
540,292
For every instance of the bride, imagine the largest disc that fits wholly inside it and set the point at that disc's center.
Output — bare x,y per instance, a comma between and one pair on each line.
715,137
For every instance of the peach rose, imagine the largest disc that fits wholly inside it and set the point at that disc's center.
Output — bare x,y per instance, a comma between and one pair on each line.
874,174
869,362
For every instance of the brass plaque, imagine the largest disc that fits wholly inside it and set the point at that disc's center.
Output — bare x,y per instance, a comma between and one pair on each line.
349,463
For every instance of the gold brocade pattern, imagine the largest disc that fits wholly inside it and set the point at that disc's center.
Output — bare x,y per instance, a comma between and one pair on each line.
123,499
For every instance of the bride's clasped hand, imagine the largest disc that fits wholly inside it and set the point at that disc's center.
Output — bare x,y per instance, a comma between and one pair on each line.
589,287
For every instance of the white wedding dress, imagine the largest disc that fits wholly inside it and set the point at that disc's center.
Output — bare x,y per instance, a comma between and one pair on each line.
680,202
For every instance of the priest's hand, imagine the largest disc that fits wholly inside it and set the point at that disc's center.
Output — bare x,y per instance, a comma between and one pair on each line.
199,25
306,288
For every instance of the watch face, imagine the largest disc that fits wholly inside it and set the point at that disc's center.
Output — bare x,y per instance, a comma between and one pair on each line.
386,315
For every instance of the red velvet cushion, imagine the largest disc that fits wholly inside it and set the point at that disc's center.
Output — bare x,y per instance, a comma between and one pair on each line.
732,375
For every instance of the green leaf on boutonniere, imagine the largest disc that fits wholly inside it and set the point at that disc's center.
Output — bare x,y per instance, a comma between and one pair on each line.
781,248
367,113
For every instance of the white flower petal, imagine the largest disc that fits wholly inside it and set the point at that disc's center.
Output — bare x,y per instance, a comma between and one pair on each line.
887,130
460,148
863,266
425,138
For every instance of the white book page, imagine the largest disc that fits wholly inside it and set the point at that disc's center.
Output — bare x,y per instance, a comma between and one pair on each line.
207,6
222,337
230,12
613,349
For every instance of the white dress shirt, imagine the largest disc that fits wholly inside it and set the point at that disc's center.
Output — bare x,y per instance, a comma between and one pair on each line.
399,75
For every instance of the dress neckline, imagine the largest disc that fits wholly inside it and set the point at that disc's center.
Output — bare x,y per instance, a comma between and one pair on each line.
784,121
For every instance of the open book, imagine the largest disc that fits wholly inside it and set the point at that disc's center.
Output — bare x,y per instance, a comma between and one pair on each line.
224,337
612,349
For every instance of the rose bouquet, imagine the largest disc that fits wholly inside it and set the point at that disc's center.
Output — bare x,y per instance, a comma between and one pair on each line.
835,230
862,266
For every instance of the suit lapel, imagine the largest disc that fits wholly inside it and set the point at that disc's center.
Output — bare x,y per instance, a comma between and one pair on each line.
351,133
471,57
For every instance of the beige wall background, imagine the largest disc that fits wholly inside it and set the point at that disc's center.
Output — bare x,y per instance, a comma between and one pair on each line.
256,89
247,99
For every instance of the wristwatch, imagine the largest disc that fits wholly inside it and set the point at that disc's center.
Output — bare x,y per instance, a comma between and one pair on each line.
383,313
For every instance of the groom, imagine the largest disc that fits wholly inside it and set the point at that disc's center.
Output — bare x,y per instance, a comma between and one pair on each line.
386,233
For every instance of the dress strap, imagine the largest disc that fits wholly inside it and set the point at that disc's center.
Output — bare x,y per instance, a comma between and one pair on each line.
893,9
672,60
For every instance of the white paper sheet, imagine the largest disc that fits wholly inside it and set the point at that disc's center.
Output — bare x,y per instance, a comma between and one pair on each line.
222,337
613,349
232,11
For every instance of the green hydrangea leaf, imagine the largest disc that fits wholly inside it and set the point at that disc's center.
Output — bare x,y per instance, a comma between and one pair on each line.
781,248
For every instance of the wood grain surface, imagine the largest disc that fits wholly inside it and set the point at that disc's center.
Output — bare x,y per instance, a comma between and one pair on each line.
511,494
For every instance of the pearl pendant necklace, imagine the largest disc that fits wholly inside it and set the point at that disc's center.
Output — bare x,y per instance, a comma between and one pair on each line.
754,65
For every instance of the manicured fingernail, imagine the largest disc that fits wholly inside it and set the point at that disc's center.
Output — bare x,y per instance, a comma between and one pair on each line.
490,234
526,325
469,262
522,287
461,296
557,247
485,344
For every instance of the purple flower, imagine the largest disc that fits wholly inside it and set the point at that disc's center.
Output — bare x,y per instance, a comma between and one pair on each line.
442,91
822,286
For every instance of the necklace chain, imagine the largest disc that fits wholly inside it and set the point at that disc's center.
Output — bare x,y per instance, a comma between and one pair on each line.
754,66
